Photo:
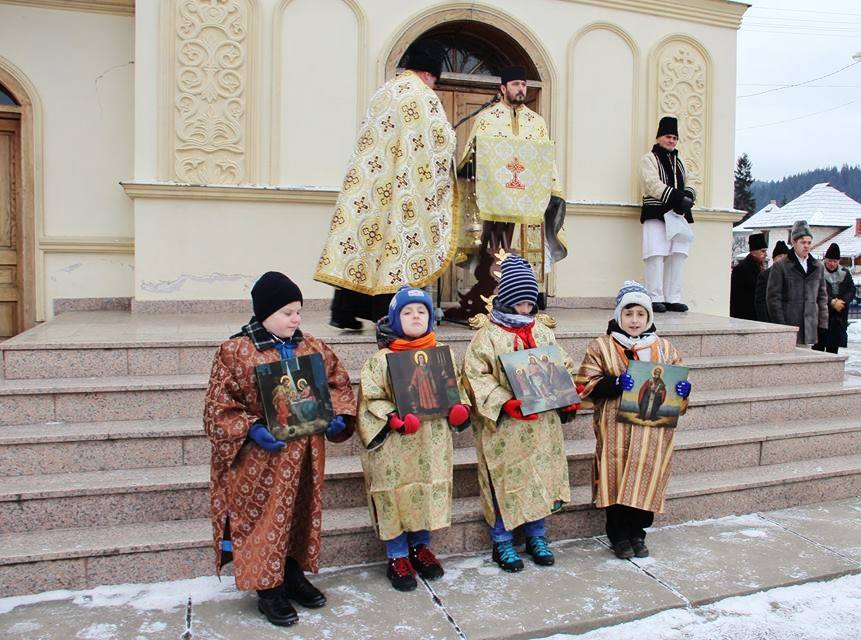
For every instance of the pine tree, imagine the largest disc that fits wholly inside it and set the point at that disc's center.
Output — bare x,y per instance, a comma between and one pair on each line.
744,200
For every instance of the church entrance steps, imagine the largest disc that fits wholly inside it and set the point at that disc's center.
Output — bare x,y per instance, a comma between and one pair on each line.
116,344
104,465
128,495
169,550
113,398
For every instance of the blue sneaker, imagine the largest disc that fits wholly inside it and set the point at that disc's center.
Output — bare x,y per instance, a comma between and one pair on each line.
537,547
506,556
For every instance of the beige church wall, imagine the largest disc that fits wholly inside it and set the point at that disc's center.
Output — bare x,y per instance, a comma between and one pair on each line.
80,65
605,250
202,259
306,69
315,115
604,103
74,275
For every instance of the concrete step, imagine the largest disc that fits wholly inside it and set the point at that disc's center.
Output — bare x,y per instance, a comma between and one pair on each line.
123,496
96,344
113,398
150,552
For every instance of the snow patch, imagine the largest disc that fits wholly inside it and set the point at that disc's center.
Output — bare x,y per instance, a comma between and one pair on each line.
98,632
160,596
24,627
811,611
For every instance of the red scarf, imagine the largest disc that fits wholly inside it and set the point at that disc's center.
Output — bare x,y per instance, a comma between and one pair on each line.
425,342
524,334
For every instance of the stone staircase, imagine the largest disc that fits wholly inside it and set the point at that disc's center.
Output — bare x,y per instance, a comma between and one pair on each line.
104,464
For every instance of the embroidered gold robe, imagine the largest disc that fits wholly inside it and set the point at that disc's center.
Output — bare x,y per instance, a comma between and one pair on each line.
632,463
523,461
408,478
393,223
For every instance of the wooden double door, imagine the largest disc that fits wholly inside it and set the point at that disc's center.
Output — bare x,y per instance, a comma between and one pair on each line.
11,320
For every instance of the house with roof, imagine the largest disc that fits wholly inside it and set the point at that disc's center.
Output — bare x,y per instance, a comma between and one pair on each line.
832,215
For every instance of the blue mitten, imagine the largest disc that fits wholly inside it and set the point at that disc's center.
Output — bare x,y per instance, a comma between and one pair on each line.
683,389
626,381
264,439
336,426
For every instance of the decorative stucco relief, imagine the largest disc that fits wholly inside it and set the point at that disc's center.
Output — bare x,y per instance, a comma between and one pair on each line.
211,72
683,86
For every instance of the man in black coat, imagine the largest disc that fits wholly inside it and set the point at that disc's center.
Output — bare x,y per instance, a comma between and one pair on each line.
841,291
779,253
742,288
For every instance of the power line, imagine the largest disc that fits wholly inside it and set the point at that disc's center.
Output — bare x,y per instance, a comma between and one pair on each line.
798,84
808,115
774,25
809,86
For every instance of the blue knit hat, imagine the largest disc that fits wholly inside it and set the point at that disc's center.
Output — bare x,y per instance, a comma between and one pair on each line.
518,283
632,292
405,296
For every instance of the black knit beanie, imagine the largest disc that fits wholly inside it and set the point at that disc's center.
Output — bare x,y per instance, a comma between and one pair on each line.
272,291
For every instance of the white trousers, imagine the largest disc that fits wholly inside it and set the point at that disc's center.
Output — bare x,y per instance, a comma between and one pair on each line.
664,277
664,262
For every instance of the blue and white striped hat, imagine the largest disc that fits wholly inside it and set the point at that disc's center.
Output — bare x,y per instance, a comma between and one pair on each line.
632,292
518,283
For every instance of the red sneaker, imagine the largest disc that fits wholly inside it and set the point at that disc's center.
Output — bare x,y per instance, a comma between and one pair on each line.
401,574
426,563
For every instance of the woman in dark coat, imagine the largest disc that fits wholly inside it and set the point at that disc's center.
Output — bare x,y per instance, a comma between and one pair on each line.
796,292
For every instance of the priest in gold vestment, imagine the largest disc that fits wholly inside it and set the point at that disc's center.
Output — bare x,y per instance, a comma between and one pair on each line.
393,223
540,239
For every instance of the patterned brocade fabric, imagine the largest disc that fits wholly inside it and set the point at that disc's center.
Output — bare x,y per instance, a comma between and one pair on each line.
524,462
394,222
408,479
632,463
271,503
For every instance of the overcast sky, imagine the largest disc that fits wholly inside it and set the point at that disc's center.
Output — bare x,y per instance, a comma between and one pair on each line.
792,41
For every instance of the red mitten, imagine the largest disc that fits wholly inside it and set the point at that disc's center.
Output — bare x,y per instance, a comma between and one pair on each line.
395,423
512,408
411,424
580,388
458,414
571,407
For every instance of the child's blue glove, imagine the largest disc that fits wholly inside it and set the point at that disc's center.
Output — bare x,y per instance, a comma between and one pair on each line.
336,426
264,439
626,381
683,389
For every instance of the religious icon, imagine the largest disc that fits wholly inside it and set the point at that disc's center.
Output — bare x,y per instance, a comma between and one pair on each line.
423,381
295,396
539,379
653,401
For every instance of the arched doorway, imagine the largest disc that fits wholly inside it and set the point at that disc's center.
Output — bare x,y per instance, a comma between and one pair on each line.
17,279
476,54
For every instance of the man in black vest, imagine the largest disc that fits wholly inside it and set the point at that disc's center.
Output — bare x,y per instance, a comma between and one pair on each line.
742,288
665,196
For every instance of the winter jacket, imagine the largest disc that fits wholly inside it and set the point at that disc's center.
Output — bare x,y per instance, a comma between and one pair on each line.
759,296
798,298
742,289
838,321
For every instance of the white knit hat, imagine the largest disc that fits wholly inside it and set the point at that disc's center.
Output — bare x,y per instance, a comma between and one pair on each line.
633,292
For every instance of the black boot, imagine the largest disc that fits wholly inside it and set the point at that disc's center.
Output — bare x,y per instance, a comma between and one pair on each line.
640,548
277,608
623,549
298,588
342,312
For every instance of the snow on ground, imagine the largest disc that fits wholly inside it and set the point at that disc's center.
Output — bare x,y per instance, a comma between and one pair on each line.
812,611
160,596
